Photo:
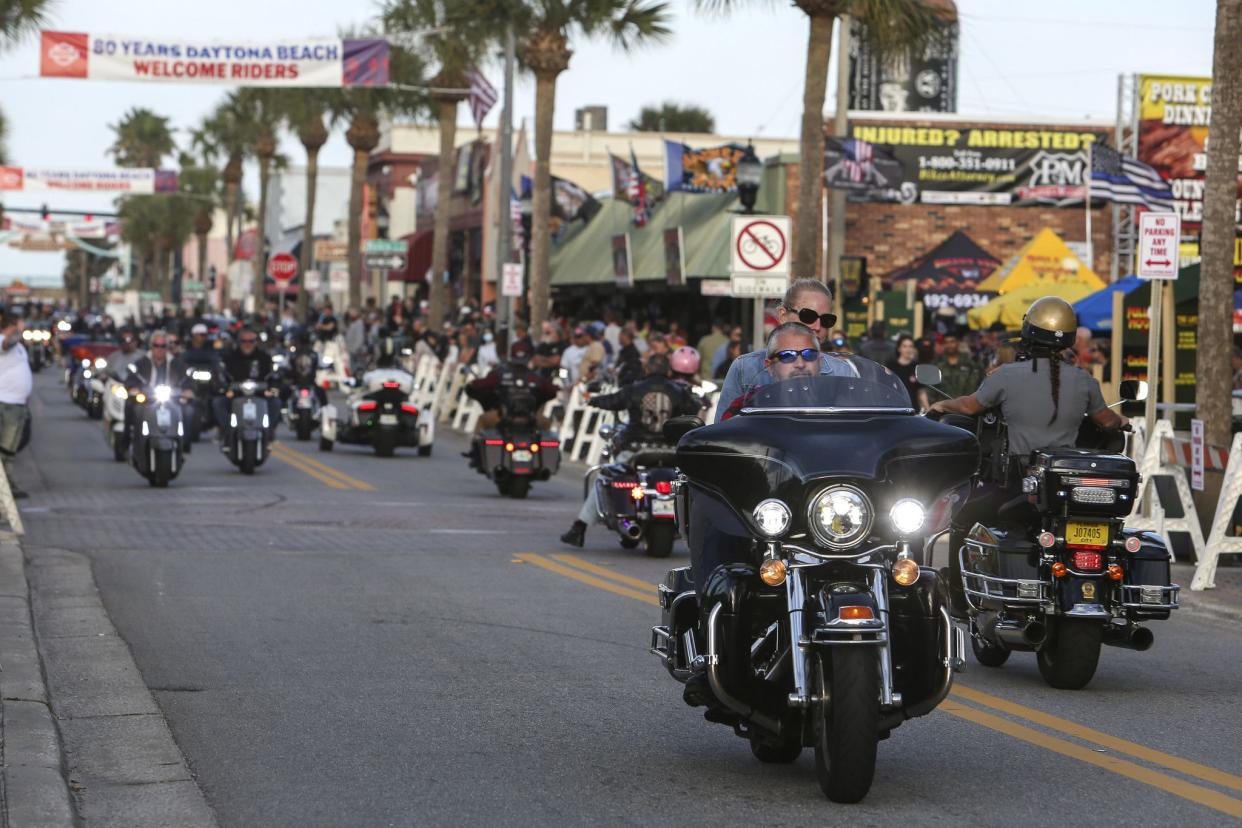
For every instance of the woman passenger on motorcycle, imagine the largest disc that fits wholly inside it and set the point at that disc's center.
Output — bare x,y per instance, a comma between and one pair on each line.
1043,401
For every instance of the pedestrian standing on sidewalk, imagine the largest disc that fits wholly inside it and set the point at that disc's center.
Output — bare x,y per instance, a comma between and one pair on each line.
15,386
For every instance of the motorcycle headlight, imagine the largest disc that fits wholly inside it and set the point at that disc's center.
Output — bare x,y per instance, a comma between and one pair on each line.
248,387
62,325
27,335
100,363
120,392
163,393
86,373
201,376
327,361
772,517
907,516
86,363
840,516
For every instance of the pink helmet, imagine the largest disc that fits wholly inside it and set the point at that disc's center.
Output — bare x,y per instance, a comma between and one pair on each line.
685,360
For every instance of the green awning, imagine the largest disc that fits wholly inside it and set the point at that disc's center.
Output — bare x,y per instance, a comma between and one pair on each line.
583,255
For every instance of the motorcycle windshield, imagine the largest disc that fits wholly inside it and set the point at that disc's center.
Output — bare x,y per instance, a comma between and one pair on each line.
872,388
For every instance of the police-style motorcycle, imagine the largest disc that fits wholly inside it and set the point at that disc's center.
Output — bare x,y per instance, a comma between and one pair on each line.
824,631
516,452
381,412
634,498
1055,571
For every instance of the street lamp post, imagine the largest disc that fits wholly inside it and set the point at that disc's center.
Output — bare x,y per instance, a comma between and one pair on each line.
749,177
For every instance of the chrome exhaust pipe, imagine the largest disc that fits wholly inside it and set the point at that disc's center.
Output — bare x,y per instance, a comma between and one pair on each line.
1129,638
631,529
1021,636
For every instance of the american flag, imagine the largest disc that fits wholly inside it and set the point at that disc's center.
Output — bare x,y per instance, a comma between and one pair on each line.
482,96
1114,177
858,158
636,189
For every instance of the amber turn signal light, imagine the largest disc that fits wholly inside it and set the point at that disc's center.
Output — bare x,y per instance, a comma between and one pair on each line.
772,572
1059,569
1115,572
905,571
855,613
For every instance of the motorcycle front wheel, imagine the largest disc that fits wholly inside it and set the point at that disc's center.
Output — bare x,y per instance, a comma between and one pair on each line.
119,451
1067,661
847,728
249,459
162,473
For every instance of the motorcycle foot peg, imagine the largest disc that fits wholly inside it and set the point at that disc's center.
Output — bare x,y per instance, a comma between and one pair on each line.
796,700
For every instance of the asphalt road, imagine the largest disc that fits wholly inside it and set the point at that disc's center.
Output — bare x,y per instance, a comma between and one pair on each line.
348,640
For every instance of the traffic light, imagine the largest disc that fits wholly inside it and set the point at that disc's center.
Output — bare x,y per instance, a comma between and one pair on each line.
45,213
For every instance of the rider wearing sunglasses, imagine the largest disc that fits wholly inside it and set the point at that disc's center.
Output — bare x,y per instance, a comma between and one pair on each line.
807,302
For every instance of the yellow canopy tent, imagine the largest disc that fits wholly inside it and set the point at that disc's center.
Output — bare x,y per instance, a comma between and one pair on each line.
1009,308
1044,259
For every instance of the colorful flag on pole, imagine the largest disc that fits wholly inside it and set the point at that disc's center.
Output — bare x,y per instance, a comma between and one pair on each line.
638,193
482,96
1118,178
633,186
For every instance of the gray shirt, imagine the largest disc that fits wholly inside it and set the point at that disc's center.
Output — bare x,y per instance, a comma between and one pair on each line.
749,371
1025,398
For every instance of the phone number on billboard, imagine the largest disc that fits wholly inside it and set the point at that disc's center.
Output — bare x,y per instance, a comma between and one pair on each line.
954,300
966,160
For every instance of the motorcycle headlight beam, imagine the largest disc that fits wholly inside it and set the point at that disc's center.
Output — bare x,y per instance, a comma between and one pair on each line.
163,393
772,517
840,516
908,516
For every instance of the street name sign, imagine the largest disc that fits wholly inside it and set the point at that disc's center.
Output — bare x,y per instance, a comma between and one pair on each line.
1159,237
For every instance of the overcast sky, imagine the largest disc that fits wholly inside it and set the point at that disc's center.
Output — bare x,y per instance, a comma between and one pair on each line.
1057,58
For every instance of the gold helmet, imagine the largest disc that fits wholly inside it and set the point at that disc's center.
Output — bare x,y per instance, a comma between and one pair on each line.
1050,321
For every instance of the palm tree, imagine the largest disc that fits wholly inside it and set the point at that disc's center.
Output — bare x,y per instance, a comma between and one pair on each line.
259,113
546,27
1215,332
223,135
141,139
19,18
4,133
304,112
199,180
892,26
362,107
673,117
456,40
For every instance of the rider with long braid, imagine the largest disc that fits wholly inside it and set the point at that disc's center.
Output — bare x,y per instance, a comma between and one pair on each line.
1039,413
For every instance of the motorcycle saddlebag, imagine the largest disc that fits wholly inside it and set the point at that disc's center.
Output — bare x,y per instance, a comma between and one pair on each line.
1149,567
550,452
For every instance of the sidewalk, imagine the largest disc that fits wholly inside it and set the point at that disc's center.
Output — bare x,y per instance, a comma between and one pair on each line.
34,791
1224,602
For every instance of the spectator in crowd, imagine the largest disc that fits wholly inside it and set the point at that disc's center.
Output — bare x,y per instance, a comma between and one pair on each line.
1086,354
709,343
876,347
960,374
903,365
16,383
1004,354
595,356
571,357
629,360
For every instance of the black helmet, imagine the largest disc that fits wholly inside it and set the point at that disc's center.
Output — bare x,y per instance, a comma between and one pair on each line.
1050,322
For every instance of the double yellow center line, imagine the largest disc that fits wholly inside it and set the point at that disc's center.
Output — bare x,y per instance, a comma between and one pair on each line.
1099,748
330,477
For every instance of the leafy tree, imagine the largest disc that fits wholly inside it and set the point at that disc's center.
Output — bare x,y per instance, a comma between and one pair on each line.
304,112
259,111
19,18
1215,332
223,136
200,181
673,117
893,26
4,134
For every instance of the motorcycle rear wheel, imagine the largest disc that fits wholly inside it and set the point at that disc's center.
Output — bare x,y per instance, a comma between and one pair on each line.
660,536
1067,661
385,445
847,730
304,428
249,459
119,451
518,488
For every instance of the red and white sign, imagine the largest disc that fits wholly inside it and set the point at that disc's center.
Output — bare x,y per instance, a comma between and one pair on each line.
1196,455
282,267
1159,237
760,246
133,181
511,279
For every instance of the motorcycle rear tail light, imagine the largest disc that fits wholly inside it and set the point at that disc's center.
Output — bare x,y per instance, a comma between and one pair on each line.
549,444
305,392
1116,483
1047,540
1093,495
534,447
1087,560
663,487
494,442
508,446
368,406
392,384
409,409
624,484
1133,544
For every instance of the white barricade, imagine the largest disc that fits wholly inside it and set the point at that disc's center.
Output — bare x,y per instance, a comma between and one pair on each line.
9,505
448,401
1153,465
1218,543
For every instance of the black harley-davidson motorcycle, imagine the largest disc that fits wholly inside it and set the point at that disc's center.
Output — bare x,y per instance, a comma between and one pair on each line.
823,630
516,452
634,496
1055,571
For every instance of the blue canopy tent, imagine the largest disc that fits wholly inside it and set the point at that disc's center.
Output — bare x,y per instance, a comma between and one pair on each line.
1096,311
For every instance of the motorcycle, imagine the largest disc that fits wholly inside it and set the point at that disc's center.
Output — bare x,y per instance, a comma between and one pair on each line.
829,633
159,432
38,344
302,411
197,411
333,363
634,498
382,415
115,433
517,452
250,426
1056,571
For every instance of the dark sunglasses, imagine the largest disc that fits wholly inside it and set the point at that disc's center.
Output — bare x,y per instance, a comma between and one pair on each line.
250,341
159,344
790,355
807,317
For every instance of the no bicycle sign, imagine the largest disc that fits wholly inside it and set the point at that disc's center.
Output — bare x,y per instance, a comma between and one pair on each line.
760,246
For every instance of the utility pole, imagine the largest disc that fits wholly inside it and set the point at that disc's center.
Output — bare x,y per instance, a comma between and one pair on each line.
840,125
504,221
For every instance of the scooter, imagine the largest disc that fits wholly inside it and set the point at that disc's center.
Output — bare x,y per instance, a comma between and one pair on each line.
115,433
250,426
159,432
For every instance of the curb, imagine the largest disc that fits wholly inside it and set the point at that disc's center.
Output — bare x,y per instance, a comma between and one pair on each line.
35,792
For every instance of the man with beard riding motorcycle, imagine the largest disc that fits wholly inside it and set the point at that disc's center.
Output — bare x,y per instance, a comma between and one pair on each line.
1043,400
157,367
508,382
300,369
649,402
246,362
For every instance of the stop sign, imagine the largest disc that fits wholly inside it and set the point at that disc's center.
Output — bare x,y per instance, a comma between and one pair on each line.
282,267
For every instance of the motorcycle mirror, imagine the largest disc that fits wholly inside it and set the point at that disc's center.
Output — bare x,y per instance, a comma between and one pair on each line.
606,431
1133,390
927,374
677,427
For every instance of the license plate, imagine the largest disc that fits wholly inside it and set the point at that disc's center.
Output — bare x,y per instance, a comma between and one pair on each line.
249,411
388,419
304,402
1086,534
663,508
162,418
522,456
